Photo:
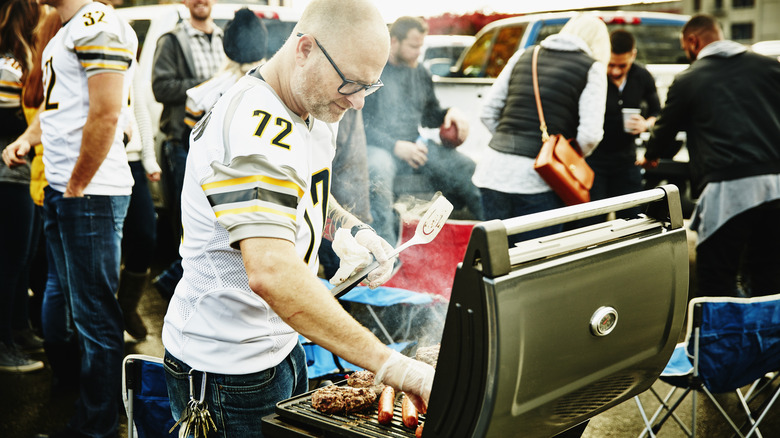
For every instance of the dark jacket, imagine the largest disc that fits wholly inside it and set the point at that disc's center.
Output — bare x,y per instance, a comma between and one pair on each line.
562,76
619,147
729,107
173,73
397,110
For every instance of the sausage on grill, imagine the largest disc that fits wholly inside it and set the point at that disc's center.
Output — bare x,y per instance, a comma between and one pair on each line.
408,412
386,405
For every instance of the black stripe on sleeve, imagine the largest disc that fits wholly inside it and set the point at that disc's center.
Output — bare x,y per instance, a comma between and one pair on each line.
256,193
103,56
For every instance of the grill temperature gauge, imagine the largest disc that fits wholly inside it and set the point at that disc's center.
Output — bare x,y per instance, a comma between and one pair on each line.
603,321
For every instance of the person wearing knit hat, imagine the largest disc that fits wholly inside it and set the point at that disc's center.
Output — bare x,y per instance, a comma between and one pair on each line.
245,44
245,38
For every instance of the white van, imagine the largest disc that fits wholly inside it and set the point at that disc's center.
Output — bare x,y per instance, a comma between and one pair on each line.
150,22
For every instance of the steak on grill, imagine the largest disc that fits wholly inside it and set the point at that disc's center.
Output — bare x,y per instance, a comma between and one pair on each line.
429,355
364,379
335,399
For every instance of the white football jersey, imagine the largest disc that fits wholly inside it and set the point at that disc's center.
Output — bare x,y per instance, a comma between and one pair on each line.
202,97
96,40
10,83
254,169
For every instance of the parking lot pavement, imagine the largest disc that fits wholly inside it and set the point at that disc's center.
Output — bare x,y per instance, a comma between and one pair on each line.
27,405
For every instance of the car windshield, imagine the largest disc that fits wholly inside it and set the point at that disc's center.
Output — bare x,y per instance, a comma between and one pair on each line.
655,43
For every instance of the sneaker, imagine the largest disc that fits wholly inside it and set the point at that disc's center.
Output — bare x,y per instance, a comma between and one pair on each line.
27,341
14,361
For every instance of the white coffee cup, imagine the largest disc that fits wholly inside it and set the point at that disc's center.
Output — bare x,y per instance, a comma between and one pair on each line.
627,113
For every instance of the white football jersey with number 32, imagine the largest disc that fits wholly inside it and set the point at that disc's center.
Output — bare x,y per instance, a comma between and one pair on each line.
94,41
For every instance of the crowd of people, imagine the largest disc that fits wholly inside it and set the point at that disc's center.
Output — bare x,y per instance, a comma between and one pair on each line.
260,178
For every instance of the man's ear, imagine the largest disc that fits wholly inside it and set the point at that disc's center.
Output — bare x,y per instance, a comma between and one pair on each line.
303,49
693,41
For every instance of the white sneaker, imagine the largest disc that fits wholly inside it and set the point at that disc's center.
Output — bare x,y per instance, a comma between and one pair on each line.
13,361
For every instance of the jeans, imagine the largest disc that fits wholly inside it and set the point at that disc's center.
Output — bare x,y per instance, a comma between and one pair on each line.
176,160
237,403
140,230
16,249
56,321
447,170
500,205
85,237
740,259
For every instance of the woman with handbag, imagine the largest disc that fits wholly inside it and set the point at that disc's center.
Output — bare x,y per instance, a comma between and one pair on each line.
572,88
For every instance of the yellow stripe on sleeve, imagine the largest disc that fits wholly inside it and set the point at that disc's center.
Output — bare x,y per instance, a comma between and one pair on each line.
94,65
104,49
254,178
254,209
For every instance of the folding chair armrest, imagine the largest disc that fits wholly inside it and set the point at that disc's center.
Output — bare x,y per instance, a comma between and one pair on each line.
697,315
133,374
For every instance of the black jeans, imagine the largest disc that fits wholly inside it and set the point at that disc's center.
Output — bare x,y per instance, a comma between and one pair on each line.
140,230
742,258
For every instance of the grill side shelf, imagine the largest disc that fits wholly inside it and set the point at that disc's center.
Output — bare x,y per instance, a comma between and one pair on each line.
357,424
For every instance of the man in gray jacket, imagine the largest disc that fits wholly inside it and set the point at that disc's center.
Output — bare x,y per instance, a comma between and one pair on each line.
728,102
185,57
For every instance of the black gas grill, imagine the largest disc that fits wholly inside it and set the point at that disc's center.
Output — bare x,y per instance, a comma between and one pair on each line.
544,335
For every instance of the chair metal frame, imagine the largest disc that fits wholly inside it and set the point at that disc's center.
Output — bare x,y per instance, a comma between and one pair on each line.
693,382
131,381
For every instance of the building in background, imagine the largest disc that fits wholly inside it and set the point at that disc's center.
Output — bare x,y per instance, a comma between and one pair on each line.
744,21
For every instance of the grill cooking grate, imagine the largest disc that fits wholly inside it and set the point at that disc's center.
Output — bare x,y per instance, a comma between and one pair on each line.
358,424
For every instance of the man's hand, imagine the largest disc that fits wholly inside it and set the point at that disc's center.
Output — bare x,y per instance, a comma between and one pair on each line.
647,164
14,153
638,124
415,154
380,249
459,119
408,375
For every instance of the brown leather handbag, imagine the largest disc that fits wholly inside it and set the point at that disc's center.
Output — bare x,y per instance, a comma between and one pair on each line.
560,164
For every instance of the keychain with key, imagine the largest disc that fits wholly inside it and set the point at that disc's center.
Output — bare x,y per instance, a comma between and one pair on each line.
196,419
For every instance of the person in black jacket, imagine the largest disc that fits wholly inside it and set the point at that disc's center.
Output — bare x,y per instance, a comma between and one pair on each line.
728,102
629,86
392,121
184,57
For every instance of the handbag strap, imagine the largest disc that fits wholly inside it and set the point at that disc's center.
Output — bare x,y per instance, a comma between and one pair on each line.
542,124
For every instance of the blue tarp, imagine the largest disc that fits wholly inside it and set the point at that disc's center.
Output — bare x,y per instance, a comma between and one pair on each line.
739,343
382,296
152,410
321,362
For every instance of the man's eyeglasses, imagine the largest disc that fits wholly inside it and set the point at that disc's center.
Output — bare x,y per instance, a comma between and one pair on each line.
348,86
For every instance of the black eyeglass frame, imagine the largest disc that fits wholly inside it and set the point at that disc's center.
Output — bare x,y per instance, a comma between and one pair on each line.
369,89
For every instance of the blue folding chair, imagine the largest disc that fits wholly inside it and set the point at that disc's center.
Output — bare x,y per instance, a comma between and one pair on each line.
730,343
146,397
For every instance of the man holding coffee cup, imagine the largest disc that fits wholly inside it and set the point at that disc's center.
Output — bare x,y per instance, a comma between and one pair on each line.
630,93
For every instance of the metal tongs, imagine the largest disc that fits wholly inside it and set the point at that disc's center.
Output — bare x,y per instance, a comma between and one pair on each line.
427,229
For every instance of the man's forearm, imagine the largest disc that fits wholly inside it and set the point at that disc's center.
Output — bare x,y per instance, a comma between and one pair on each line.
283,281
105,106
96,142
337,218
33,132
